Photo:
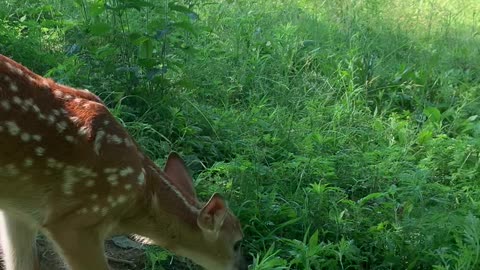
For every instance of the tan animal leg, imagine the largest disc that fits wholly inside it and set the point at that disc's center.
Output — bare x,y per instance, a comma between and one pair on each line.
18,243
82,249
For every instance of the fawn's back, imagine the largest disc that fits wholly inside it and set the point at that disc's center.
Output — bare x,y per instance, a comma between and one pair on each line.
60,149
69,169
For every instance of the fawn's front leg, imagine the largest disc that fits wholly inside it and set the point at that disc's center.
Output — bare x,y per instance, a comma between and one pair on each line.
18,243
82,249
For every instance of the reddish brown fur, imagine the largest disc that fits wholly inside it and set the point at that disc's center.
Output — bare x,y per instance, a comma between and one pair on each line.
15,151
74,149
91,117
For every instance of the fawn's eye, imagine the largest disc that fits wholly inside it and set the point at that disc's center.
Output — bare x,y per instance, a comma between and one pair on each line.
237,245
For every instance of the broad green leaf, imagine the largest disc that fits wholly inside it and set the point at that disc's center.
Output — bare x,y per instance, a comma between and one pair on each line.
313,241
472,118
424,136
370,197
433,114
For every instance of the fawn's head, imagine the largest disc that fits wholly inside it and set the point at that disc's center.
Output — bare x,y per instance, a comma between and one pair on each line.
208,234
222,235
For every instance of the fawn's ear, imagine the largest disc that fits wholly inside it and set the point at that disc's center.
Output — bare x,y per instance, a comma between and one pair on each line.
177,171
213,214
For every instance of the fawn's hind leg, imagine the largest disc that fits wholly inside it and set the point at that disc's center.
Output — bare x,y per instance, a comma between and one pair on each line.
18,243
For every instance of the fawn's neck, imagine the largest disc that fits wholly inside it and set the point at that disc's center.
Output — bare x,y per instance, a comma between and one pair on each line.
163,206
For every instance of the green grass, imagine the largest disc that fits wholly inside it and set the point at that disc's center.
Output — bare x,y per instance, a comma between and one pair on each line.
345,134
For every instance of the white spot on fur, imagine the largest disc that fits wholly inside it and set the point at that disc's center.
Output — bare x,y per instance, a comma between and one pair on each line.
11,170
112,201
86,172
36,137
32,79
51,162
113,179
25,137
51,119
61,126
54,164
39,151
126,171
82,131
12,127
114,139
28,162
74,119
98,141
28,102
58,93
17,100
110,170
69,138
69,179
121,199
9,66
14,69
6,77
45,82
5,105
141,178
128,142
13,87
35,108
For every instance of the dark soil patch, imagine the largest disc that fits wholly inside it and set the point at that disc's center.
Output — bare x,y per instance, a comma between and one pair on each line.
119,258
122,253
